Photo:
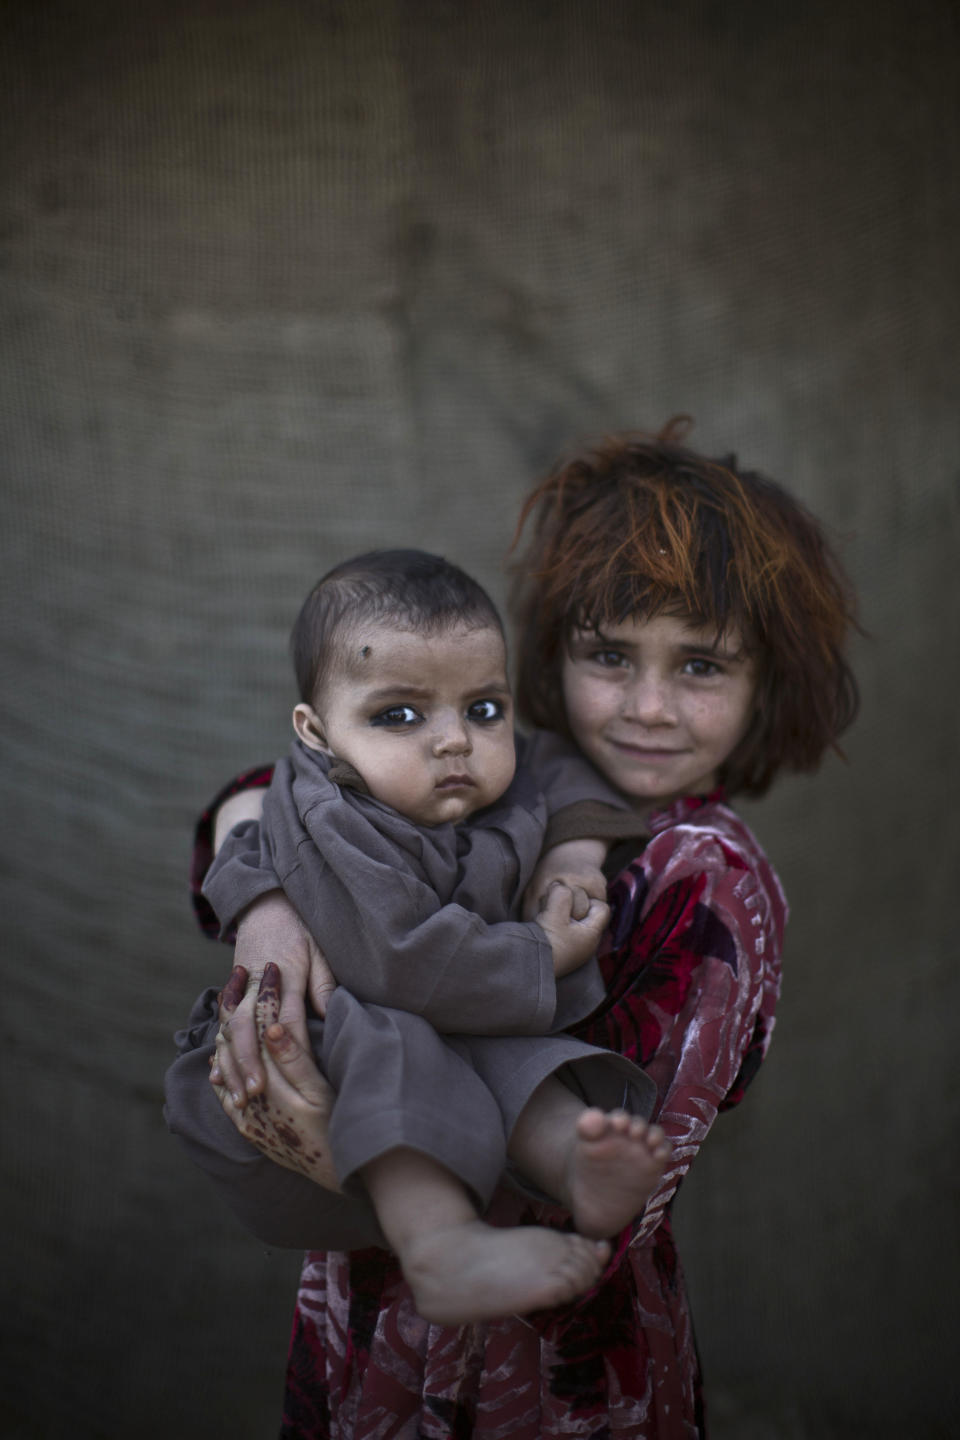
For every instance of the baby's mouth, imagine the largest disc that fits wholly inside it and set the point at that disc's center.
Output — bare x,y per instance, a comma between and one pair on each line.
455,782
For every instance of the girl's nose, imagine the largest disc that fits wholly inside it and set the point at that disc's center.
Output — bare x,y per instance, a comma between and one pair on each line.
649,701
451,736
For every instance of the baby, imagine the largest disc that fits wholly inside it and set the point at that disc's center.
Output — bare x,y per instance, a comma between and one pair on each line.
405,834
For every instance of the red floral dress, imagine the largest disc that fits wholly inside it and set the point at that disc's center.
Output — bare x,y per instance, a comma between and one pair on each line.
692,963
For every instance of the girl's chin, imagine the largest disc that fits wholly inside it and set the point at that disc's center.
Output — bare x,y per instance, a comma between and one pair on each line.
647,800
650,792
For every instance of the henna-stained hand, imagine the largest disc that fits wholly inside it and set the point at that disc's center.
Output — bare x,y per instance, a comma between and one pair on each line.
288,1121
224,1070
270,933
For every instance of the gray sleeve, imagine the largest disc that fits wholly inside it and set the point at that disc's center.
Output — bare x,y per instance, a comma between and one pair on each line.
462,975
388,938
578,995
589,819
276,1205
563,775
240,872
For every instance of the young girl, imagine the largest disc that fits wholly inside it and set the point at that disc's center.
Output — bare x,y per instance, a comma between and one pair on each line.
684,623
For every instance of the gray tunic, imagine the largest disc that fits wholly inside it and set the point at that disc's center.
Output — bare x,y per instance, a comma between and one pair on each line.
442,1025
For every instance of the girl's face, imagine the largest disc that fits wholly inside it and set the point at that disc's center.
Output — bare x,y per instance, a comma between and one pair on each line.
658,705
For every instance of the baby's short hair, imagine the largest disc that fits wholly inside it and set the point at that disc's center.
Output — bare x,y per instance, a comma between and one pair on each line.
408,589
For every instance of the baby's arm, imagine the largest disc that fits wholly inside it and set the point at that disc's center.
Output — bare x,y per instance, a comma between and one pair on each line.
586,816
574,865
408,950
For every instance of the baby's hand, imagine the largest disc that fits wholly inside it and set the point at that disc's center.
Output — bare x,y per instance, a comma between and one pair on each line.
577,864
574,924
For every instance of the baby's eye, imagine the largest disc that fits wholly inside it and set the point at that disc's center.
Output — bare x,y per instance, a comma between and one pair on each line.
397,715
701,668
484,712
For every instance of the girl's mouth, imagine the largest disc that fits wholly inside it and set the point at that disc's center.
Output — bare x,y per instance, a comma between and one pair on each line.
646,752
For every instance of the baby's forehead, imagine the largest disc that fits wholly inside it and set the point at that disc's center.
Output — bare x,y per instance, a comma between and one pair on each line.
365,647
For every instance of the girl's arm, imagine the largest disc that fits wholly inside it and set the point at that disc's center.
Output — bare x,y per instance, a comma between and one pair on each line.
269,931
244,805
279,1206
692,965
578,864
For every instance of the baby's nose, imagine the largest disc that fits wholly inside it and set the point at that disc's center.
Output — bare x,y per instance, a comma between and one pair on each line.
452,736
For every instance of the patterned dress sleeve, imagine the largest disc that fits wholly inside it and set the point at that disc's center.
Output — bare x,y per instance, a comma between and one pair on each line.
692,967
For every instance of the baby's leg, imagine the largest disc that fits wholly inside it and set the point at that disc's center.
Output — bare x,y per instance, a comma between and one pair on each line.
461,1270
602,1167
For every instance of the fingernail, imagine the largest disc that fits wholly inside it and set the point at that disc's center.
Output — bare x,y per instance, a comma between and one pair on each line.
270,979
237,1097
251,1083
232,992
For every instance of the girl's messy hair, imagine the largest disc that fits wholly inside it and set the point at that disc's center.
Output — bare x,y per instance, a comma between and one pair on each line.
640,526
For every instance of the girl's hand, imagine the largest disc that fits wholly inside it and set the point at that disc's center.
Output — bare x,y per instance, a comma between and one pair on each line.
577,864
288,1121
574,924
270,933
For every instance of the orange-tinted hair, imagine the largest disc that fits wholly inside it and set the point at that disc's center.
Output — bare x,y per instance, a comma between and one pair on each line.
640,526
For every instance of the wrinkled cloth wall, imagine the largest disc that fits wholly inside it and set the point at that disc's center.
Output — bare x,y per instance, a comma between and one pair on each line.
282,281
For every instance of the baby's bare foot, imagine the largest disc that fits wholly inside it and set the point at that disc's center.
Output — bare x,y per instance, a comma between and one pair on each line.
615,1163
476,1272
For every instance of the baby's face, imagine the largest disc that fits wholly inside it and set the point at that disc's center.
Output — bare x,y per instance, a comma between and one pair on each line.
427,720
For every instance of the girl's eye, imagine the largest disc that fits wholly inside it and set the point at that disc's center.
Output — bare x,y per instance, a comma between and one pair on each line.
484,712
610,659
397,715
701,669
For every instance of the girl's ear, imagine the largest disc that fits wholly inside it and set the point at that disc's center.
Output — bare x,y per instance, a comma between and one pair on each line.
306,722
